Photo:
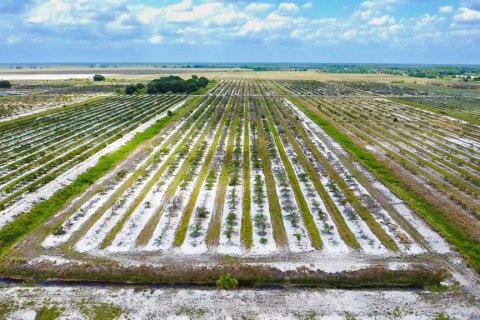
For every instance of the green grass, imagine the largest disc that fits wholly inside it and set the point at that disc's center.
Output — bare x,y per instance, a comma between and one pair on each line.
343,229
458,114
47,313
246,232
307,217
213,233
211,84
25,223
273,203
469,248
86,103
149,229
102,311
182,229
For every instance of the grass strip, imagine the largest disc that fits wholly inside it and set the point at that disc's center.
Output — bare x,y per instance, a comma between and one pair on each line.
213,232
370,134
138,200
182,228
307,217
344,231
438,220
246,233
86,103
374,226
273,203
25,223
150,227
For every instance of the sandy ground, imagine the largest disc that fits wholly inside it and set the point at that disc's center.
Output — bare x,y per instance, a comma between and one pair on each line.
146,73
46,191
44,76
18,302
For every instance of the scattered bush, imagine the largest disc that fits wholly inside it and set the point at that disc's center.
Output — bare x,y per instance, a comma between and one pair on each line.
5,84
227,282
130,89
98,77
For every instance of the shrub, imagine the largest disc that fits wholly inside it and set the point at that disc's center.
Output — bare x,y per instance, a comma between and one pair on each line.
130,89
98,77
5,84
169,113
227,282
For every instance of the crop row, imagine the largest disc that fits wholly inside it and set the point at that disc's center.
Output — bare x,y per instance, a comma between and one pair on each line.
426,149
240,175
27,174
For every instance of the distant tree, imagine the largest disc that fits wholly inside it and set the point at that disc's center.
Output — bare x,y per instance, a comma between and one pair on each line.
5,84
98,77
130,89
202,82
194,77
191,86
140,86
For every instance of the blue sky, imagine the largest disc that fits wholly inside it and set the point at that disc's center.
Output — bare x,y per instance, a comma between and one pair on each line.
374,31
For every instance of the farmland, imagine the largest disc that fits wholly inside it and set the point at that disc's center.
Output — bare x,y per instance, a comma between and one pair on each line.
278,182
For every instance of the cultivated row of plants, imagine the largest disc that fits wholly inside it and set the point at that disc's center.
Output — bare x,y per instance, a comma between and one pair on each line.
27,175
417,154
240,174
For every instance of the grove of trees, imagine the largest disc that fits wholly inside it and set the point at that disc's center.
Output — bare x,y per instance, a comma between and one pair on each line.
175,84
5,84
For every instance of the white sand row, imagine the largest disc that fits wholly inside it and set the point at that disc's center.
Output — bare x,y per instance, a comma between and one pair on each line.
97,233
382,216
164,233
291,304
233,245
195,240
26,202
92,205
125,240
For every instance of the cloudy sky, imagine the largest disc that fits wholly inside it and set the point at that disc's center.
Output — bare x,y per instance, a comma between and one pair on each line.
410,31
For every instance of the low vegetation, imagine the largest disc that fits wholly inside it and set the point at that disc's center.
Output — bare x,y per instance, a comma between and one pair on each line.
5,84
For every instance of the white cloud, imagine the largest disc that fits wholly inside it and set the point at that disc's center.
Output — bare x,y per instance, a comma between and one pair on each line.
216,22
381,21
252,26
465,14
445,9
308,5
13,39
258,7
156,39
365,14
376,4
288,7
54,12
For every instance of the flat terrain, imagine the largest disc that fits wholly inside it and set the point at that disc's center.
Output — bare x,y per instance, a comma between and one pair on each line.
274,177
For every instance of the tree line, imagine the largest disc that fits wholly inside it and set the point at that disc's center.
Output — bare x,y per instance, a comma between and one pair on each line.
173,84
